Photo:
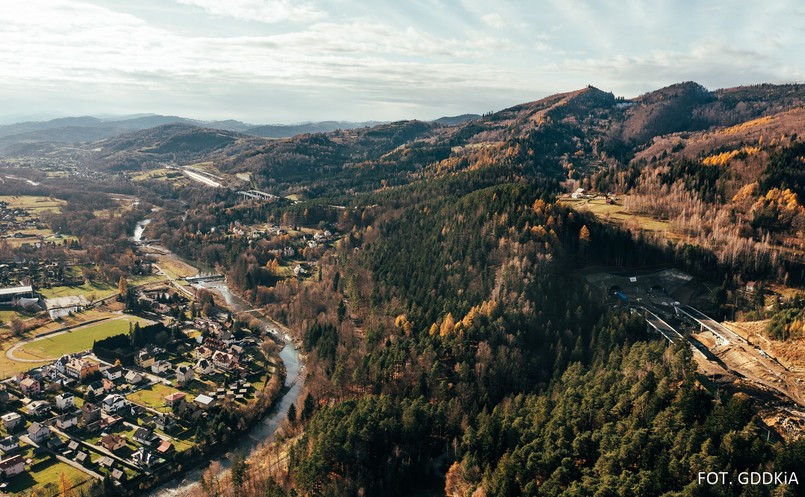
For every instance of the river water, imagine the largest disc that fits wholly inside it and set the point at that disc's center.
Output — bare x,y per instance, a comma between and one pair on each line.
139,228
264,430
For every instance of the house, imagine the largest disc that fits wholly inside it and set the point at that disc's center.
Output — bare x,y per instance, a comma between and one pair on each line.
39,408
203,366
299,270
144,359
174,399
119,475
204,401
159,367
96,389
38,432
11,421
55,444
106,462
224,361
61,364
90,412
184,375
165,423
81,458
113,402
108,385
144,458
67,421
202,352
9,444
65,401
80,368
12,466
112,442
30,387
145,437
133,377
165,448
113,373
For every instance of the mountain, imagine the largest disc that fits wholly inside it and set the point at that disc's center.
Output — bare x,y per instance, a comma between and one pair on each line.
288,130
454,120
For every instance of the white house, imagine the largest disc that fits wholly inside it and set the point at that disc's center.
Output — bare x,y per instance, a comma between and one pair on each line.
9,444
38,432
11,420
133,377
204,366
184,375
113,373
113,402
66,421
65,401
160,367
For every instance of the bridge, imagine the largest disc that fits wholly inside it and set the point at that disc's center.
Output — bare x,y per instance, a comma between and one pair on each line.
707,323
663,328
204,278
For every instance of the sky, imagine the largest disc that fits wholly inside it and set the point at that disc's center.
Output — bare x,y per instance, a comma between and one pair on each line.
284,61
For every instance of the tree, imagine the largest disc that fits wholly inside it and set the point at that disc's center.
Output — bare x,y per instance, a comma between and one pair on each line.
239,471
292,413
65,486
17,327
307,407
122,287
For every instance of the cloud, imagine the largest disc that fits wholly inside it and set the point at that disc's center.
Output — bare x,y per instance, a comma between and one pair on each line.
266,11
495,20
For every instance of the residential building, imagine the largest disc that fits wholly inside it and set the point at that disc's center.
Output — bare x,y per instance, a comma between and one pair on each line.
9,444
144,458
80,368
11,421
113,402
39,408
65,401
66,421
224,361
184,375
145,437
30,387
113,372
159,367
204,401
144,359
12,466
203,366
112,442
38,432
133,377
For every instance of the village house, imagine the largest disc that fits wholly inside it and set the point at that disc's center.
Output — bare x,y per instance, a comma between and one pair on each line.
203,366
30,387
108,385
66,421
80,368
113,442
113,402
96,389
38,432
165,448
11,421
39,408
204,401
165,422
146,437
65,401
224,361
133,377
9,444
113,373
159,367
202,352
61,364
12,466
174,399
144,458
144,359
184,375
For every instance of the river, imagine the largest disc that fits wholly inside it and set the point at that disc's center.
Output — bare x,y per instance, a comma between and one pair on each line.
265,429
139,228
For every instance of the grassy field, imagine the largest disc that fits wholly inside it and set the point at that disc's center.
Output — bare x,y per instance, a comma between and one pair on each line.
33,203
76,340
616,214
101,290
45,477
153,396
176,268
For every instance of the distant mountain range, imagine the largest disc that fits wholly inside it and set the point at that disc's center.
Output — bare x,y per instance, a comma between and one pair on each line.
27,137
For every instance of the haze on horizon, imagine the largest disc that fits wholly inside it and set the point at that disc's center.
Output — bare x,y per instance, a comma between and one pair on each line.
272,61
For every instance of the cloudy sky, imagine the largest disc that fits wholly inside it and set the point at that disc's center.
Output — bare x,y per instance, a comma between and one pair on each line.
286,61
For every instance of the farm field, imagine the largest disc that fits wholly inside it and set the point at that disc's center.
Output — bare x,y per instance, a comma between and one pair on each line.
617,214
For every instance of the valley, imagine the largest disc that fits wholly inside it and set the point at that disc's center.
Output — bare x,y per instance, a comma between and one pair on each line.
553,296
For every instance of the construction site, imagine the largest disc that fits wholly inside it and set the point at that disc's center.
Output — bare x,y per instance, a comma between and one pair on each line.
728,355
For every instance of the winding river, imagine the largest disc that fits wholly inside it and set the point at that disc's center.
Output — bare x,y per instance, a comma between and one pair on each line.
264,430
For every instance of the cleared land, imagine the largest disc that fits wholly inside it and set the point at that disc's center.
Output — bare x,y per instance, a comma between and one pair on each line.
615,213
76,340
153,396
